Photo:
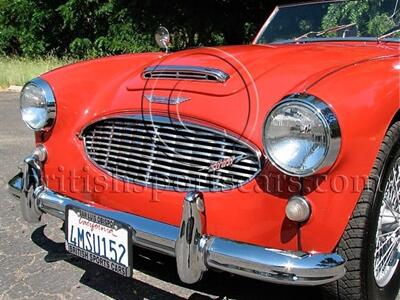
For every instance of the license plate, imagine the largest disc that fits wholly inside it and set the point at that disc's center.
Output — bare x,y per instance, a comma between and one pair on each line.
98,239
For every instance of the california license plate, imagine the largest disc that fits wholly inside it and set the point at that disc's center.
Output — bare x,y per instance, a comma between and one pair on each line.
98,239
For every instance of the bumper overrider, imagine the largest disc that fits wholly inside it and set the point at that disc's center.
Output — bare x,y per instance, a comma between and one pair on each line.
194,250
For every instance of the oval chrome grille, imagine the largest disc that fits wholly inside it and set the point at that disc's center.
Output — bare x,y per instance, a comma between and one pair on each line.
167,154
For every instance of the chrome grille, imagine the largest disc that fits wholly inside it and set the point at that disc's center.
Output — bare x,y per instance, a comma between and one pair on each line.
167,154
185,73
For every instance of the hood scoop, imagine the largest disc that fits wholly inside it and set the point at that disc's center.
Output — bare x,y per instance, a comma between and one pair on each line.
179,72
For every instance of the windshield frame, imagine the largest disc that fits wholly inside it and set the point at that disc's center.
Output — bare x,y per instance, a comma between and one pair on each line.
311,40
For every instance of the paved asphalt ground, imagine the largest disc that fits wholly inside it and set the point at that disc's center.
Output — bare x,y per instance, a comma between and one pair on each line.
34,264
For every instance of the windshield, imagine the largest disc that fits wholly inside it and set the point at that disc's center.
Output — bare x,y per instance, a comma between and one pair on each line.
333,20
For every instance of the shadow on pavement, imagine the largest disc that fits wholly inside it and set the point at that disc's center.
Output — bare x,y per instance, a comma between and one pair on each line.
219,285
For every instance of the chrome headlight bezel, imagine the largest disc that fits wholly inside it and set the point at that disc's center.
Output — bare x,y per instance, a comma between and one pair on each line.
331,127
49,103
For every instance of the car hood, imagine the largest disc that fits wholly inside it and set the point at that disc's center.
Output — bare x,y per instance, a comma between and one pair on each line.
260,65
260,76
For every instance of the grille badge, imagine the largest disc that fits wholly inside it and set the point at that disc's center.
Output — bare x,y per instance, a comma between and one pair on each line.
165,99
224,163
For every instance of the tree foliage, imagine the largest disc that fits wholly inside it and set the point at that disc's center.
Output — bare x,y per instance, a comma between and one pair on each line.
87,28
372,17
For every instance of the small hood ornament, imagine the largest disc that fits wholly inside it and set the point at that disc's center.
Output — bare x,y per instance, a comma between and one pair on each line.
166,99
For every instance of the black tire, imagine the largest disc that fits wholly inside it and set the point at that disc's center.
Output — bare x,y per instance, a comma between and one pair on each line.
357,244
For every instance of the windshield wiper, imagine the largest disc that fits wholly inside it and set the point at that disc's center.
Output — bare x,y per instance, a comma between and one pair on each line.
323,32
389,33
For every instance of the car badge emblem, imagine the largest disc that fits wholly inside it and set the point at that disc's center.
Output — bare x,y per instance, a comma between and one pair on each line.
166,99
224,163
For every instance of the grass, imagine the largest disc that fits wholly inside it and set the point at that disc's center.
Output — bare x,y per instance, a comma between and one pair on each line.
17,71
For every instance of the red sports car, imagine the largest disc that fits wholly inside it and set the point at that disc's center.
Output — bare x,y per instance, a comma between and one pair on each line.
278,160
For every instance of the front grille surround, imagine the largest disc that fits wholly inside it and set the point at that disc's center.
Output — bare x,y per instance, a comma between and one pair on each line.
138,148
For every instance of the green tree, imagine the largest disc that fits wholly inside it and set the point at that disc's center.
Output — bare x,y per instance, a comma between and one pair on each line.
29,29
88,28
371,16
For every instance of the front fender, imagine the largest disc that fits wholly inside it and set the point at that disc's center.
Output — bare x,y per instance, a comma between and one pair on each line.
77,87
365,98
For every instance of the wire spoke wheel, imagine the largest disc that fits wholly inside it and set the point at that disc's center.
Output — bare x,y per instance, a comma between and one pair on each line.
387,249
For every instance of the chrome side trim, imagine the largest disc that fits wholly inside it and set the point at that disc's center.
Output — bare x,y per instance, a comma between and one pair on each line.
185,73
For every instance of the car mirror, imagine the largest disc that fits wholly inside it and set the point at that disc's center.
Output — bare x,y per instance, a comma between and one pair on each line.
162,38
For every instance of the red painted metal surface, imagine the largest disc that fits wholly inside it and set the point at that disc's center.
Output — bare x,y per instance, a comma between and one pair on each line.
359,80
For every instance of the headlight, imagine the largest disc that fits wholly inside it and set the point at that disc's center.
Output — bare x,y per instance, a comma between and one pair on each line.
302,136
38,106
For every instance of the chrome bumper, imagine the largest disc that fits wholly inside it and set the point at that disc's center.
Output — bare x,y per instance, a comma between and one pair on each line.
195,251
